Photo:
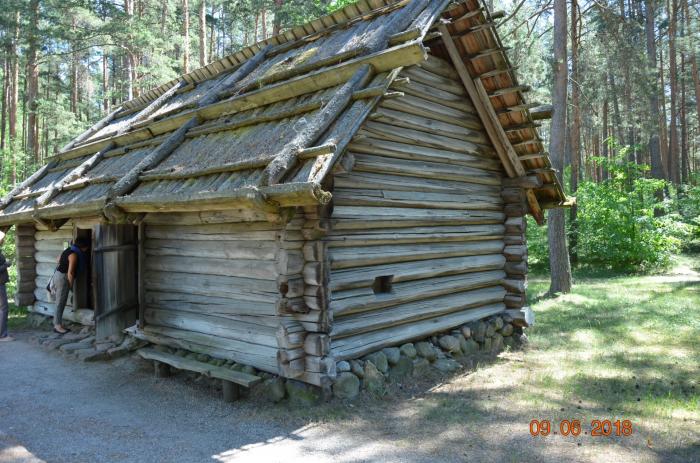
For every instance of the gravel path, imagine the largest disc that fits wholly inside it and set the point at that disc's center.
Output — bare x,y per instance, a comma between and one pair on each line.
60,410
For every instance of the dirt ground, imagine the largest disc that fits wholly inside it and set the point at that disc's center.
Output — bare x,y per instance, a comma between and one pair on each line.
616,348
59,410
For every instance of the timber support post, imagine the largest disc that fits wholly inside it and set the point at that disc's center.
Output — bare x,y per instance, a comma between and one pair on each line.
231,391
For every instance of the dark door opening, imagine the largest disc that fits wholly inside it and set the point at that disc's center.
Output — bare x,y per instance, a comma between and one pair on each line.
83,290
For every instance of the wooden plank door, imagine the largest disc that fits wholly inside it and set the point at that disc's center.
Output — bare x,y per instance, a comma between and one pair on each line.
115,273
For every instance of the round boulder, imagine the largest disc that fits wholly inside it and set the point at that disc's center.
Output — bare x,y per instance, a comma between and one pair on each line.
357,368
450,344
373,380
402,369
469,346
342,366
497,343
346,386
446,365
379,360
409,350
421,367
466,331
274,389
392,354
302,394
426,350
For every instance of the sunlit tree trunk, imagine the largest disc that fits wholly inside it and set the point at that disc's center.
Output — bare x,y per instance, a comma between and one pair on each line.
559,264
32,133
673,145
653,144
575,129
203,33
185,36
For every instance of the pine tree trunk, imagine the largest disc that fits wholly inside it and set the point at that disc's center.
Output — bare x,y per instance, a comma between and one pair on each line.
653,144
263,20
203,33
32,134
5,94
74,70
105,81
575,129
13,96
277,21
186,36
559,264
663,117
673,148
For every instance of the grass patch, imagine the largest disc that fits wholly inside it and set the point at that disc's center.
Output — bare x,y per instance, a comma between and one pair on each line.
18,317
625,345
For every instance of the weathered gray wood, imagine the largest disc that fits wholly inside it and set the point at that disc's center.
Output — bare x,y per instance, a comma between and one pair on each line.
342,258
414,311
181,363
312,130
364,299
231,391
356,346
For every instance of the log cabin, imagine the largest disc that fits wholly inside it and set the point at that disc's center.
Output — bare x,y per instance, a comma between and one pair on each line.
353,183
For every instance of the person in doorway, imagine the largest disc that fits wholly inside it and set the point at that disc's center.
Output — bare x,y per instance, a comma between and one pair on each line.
71,263
4,306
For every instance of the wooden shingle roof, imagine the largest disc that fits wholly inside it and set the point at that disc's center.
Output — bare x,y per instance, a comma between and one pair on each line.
264,126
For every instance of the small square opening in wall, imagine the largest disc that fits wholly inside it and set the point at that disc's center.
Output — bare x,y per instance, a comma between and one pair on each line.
382,284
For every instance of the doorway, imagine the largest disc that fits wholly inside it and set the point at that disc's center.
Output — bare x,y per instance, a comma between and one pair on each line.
115,270
83,291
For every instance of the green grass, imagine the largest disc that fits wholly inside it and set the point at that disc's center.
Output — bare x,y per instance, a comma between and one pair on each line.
627,345
18,317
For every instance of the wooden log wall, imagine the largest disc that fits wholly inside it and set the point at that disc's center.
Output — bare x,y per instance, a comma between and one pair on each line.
232,290
26,266
516,267
48,246
416,237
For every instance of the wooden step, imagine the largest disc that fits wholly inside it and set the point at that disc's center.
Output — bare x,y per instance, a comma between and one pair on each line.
232,379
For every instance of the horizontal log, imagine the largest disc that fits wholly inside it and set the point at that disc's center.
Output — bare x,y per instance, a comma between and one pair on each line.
354,217
81,316
407,151
244,268
351,238
242,288
389,198
527,181
364,299
514,286
343,258
253,250
356,346
414,311
407,271
262,358
428,125
387,181
254,334
412,136
515,253
522,317
516,268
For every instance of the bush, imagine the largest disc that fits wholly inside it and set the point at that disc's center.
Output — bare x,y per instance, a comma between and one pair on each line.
617,225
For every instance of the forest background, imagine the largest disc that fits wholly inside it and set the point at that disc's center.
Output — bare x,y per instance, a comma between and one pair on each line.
631,141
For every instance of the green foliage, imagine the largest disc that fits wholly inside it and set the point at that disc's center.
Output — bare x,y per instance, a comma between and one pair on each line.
617,222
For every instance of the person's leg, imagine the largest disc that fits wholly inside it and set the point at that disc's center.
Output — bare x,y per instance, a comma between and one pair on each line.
62,289
4,311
